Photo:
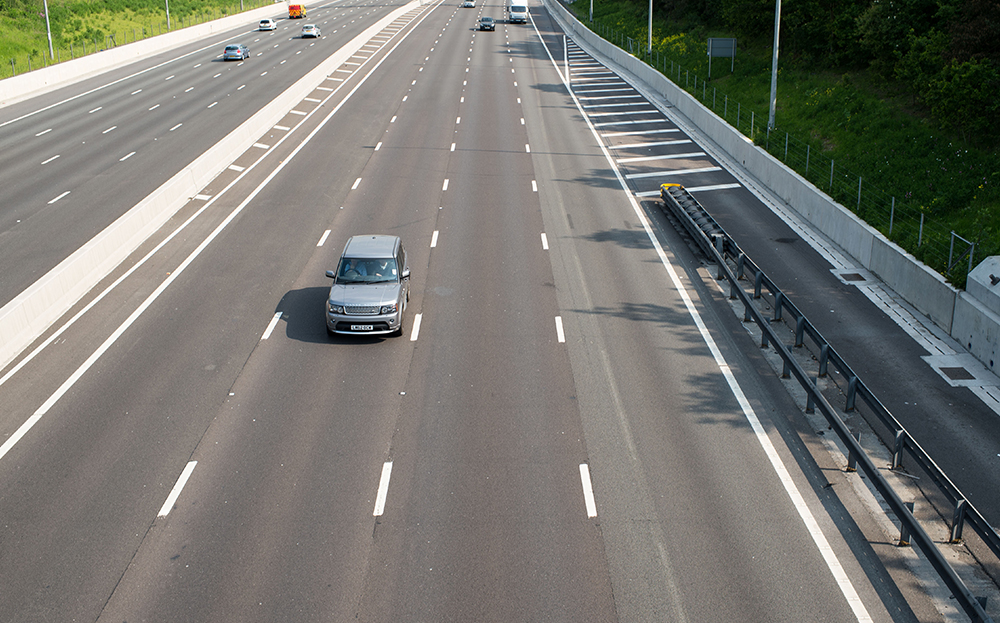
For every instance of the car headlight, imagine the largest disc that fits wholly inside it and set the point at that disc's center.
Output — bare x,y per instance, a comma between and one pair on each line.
389,309
336,309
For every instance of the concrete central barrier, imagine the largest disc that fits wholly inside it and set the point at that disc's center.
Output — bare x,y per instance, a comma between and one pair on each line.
29,314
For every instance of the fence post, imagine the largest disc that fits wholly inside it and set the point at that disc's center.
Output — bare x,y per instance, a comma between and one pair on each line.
786,146
807,159
892,214
859,194
920,237
831,175
13,71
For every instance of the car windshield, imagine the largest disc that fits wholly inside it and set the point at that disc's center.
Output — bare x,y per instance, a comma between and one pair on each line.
354,270
231,47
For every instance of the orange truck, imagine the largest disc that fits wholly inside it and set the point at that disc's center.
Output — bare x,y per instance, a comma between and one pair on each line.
296,11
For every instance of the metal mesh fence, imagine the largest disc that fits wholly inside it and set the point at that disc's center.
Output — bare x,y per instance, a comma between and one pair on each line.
929,241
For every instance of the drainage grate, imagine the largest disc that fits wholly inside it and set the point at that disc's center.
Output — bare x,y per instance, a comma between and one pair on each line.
851,277
958,374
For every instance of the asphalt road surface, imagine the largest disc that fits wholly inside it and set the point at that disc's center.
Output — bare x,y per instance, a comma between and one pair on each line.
568,430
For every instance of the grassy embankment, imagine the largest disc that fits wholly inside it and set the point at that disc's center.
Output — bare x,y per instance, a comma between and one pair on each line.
846,116
82,26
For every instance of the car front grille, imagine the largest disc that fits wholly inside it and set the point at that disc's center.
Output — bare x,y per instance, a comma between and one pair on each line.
362,310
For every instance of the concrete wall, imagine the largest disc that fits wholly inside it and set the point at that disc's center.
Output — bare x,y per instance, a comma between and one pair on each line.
925,289
26,317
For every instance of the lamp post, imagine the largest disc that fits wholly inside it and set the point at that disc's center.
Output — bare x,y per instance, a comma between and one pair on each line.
774,66
649,38
167,2
47,28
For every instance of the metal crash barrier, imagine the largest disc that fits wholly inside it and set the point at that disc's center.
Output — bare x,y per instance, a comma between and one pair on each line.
735,266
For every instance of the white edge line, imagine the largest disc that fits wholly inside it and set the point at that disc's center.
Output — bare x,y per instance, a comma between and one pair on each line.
383,489
588,490
176,491
833,563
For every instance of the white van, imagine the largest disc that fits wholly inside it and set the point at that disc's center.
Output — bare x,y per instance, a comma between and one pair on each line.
518,13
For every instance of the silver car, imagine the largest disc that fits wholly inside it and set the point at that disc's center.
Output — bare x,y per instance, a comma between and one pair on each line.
371,287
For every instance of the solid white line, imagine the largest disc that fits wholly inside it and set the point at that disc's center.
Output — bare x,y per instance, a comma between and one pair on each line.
680,141
697,189
639,132
841,578
59,197
176,491
694,154
560,336
434,239
416,327
356,183
322,239
636,176
270,326
383,489
588,490
545,242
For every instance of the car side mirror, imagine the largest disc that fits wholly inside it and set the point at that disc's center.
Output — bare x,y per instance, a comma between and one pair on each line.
331,274
406,273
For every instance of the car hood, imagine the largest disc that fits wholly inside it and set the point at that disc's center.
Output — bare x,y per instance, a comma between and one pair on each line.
355,294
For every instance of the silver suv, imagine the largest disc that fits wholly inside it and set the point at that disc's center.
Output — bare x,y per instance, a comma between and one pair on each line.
371,287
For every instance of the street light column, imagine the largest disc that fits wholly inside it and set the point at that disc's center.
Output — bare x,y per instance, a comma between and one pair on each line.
774,66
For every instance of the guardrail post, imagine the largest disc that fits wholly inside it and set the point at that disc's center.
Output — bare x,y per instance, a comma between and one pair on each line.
852,392
757,282
720,247
904,534
763,335
810,400
779,299
897,450
852,460
786,370
958,521
746,313
800,330
740,261
824,358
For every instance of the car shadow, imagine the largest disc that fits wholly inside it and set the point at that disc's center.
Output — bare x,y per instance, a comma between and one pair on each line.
303,313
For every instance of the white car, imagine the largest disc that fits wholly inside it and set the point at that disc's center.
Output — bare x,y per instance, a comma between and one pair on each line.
469,4
267,24
310,30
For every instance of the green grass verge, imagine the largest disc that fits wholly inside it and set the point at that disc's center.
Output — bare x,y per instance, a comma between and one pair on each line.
81,27
841,130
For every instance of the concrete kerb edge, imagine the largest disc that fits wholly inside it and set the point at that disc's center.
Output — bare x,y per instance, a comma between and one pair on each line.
27,85
29,314
916,283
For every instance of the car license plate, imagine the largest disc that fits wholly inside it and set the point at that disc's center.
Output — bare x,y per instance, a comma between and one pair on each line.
362,327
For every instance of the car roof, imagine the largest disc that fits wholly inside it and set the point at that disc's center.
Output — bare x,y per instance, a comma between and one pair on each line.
371,246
